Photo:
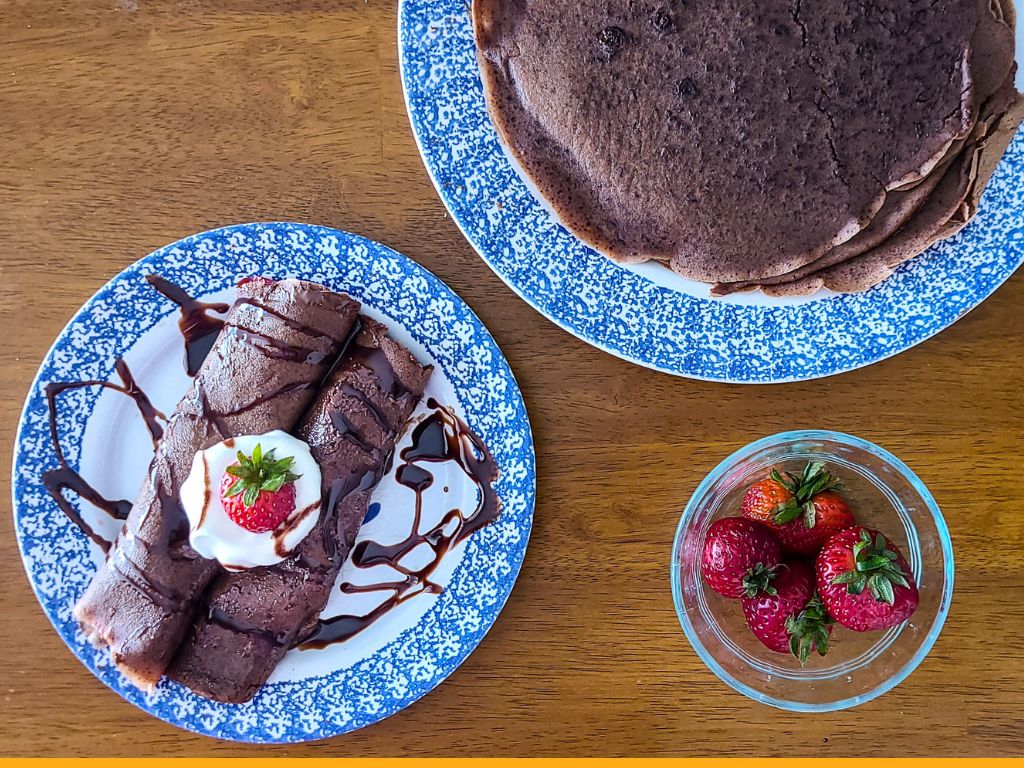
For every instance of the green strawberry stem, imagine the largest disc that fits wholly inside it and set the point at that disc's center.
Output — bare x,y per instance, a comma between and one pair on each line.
759,579
804,487
876,568
258,473
808,630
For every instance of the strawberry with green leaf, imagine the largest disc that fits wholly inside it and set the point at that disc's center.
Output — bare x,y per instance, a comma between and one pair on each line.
258,491
738,556
786,615
864,581
802,509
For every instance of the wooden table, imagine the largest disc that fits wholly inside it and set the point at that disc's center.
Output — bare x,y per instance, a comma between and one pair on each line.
126,124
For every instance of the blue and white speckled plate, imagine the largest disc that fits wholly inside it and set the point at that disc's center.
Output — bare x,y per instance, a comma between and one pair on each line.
312,694
646,314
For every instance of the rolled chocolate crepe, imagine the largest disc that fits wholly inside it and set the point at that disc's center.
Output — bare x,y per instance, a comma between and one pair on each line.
278,342
249,619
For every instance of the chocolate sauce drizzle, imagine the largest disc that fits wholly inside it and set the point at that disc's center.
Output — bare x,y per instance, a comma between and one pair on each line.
198,327
169,599
284,389
442,436
289,525
374,360
292,323
347,431
217,616
274,348
374,411
63,477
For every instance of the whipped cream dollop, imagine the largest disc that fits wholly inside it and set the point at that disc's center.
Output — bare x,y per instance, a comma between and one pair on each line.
216,536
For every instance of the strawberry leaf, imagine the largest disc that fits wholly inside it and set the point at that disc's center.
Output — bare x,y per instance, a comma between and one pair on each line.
883,589
236,488
846,578
259,472
787,512
814,479
897,577
758,580
876,567
809,630
810,514
872,563
274,484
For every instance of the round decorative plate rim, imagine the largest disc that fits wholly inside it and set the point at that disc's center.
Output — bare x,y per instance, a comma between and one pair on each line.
342,700
657,327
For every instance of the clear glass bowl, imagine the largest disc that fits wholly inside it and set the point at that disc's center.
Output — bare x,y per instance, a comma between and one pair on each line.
883,494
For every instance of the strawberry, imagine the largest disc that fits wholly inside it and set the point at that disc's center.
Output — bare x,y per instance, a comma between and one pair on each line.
787,616
803,510
864,581
738,556
258,491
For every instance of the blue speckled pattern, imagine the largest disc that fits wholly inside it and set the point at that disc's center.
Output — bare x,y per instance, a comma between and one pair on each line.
56,553
632,317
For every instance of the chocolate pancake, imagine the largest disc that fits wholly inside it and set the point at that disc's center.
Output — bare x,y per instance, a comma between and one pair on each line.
249,619
687,131
992,49
899,206
278,342
948,209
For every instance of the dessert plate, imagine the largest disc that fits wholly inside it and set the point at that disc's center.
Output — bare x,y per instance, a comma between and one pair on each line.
645,313
398,658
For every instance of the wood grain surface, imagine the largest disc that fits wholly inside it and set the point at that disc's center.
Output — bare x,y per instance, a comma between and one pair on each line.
126,124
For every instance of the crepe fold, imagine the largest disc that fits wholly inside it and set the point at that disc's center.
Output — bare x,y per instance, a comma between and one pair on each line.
248,620
279,340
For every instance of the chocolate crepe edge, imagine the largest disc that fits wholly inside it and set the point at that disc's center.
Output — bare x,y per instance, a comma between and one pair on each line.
873,267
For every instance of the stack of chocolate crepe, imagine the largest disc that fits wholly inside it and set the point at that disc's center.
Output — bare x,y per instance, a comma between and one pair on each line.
292,356
755,145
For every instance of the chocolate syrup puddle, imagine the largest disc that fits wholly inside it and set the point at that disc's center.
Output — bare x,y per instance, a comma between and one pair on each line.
63,477
198,327
442,436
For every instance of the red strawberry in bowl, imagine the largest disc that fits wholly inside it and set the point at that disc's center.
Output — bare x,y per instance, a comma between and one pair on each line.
786,616
258,491
864,580
804,510
738,556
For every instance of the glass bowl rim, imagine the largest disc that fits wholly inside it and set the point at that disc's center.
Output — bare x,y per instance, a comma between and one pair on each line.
716,474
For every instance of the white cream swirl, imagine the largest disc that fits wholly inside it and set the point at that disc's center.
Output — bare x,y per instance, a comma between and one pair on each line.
216,536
